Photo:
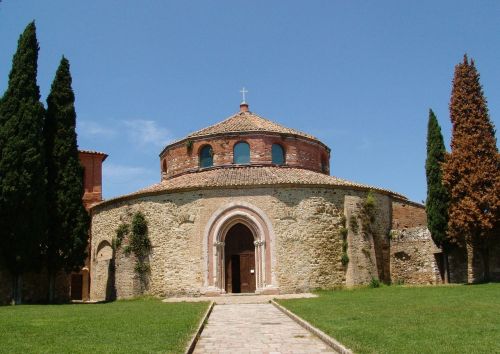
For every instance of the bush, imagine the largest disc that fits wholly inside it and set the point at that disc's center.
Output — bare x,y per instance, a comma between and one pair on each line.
374,283
344,259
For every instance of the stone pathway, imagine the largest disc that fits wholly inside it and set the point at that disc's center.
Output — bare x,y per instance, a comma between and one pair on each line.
255,328
240,299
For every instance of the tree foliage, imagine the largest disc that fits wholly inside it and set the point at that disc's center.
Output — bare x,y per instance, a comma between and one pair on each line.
68,221
436,205
471,171
22,161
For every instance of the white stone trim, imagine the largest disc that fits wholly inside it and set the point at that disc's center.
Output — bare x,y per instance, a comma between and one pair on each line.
219,224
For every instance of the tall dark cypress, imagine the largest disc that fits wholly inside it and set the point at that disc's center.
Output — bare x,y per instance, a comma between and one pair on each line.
436,205
22,165
437,196
68,220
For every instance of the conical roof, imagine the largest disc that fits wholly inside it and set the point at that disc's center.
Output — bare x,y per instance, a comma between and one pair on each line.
247,122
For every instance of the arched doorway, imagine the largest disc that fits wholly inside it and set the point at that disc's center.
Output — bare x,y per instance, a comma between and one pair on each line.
250,229
239,251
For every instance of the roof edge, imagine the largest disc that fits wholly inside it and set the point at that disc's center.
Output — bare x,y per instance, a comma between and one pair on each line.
138,195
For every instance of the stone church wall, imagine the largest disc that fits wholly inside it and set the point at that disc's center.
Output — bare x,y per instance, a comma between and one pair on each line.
307,247
368,251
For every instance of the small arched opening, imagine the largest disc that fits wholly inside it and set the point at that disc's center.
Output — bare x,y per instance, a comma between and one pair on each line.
206,156
325,168
241,153
278,154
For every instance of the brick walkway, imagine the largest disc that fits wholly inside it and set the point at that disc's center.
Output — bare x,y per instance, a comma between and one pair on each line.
255,328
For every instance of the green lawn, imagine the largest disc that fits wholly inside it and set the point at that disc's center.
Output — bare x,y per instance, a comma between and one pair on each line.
131,326
398,319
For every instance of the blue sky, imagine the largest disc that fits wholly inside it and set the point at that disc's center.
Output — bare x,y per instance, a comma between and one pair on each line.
359,75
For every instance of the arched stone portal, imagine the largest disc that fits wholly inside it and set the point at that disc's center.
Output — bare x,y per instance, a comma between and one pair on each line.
221,228
239,260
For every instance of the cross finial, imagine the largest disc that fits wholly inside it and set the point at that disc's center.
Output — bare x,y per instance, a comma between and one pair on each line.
243,91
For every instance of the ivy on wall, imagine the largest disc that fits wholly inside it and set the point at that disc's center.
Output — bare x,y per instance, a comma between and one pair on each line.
138,242
343,234
368,214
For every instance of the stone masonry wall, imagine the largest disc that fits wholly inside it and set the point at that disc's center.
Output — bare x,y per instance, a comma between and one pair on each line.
307,246
299,153
413,259
367,251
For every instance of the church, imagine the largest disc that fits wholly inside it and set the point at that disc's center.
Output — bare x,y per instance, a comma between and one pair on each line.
249,206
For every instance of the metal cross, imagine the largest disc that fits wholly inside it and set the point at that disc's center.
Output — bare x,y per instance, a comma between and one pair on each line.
243,91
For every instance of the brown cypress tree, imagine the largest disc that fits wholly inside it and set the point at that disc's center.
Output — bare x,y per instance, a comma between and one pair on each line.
471,172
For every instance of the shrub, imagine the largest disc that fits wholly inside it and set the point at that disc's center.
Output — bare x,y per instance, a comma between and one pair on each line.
374,283
344,259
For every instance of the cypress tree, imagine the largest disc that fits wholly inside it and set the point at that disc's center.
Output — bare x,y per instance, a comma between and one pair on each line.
68,220
437,195
472,171
22,165
436,205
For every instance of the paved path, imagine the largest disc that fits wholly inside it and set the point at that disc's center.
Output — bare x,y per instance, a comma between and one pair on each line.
240,299
255,328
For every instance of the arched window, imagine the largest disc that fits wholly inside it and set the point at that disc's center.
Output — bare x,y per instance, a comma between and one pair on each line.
278,154
164,166
324,165
206,156
241,153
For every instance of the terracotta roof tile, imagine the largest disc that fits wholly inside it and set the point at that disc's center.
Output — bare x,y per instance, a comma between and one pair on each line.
245,122
249,176
92,152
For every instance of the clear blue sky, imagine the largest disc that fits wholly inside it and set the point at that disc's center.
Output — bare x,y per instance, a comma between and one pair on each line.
359,75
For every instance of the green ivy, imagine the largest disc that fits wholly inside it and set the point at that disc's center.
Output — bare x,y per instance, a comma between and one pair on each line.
139,243
353,224
343,232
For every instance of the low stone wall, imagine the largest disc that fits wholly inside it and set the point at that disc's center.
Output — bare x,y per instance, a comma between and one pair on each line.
467,263
35,287
413,259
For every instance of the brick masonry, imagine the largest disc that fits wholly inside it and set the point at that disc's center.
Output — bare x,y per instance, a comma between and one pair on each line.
300,152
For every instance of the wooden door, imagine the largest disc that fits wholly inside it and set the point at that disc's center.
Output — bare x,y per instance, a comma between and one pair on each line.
76,286
247,272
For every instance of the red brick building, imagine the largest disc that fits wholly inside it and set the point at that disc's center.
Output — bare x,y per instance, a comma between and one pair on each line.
92,182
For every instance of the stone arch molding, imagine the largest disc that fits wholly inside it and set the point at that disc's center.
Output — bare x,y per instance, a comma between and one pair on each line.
104,251
213,247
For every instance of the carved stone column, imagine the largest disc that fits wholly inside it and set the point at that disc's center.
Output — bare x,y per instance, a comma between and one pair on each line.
219,271
259,264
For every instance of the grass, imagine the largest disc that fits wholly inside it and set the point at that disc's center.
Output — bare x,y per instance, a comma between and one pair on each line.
398,319
131,326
